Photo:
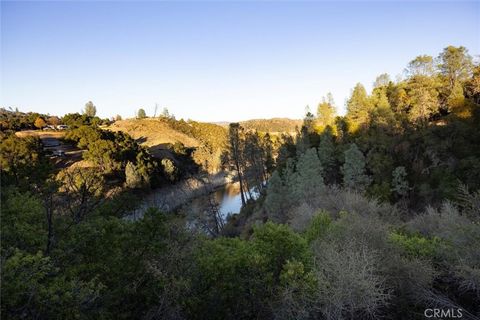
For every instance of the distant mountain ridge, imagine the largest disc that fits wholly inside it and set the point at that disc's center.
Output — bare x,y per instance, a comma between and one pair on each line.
286,125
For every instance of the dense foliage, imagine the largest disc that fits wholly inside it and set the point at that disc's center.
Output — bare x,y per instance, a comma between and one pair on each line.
272,125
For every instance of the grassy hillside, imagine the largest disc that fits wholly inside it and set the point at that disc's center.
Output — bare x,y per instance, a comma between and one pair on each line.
272,125
153,132
207,141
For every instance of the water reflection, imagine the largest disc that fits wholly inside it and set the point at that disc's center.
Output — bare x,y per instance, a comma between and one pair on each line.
228,198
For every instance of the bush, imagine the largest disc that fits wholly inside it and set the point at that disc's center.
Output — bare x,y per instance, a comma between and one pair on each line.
318,226
415,245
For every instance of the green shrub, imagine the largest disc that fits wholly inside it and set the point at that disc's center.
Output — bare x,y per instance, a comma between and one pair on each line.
318,227
415,245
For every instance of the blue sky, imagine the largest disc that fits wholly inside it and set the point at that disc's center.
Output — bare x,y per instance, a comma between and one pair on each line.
215,61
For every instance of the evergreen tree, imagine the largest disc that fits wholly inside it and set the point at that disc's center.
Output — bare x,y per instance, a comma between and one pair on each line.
358,106
354,173
277,198
326,111
309,179
381,112
290,180
326,155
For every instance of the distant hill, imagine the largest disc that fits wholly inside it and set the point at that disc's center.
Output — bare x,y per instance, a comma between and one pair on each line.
272,125
161,131
153,132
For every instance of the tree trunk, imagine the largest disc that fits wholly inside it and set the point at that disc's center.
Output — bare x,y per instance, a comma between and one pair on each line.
240,179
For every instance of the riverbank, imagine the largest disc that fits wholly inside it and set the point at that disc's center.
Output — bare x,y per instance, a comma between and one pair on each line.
172,197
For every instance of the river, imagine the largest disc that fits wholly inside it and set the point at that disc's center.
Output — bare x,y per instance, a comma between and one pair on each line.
193,196
228,198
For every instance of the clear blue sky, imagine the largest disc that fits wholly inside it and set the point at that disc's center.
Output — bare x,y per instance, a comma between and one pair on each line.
215,61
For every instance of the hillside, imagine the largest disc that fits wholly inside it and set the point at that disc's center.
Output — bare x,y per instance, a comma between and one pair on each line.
153,132
272,125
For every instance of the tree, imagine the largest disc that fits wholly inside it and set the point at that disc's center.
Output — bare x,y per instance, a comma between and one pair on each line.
169,169
254,161
54,121
400,182
236,145
23,162
354,172
165,113
83,191
141,114
40,123
90,109
326,155
118,117
382,80
34,288
276,200
423,100
133,178
472,87
23,223
421,66
381,112
326,111
455,64
310,175
267,148
303,136
358,106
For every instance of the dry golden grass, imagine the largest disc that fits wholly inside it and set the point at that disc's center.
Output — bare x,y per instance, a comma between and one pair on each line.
155,132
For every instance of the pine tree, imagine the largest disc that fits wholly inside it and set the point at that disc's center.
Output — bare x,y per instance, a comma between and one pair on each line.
326,155
309,179
326,111
277,198
290,179
381,111
354,173
358,106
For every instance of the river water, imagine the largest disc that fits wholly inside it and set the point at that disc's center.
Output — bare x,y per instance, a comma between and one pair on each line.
229,199
188,197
